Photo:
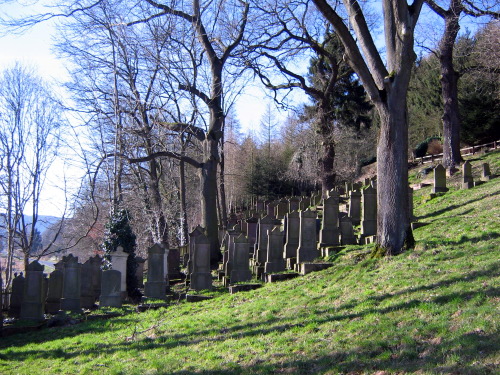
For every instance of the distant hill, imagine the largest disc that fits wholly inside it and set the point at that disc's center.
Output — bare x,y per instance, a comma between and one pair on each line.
43,223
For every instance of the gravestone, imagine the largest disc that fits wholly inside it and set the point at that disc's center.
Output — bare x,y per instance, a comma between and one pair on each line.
293,204
355,206
260,207
96,263
292,235
111,295
70,300
201,277
329,233
16,296
241,270
271,208
173,264
304,203
33,298
252,230
155,286
87,297
274,262
231,235
197,232
282,208
439,180
139,273
369,208
346,231
265,224
54,294
119,263
307,250
485,172
467,180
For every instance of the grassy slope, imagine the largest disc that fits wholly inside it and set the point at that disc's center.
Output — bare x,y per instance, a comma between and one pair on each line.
434,310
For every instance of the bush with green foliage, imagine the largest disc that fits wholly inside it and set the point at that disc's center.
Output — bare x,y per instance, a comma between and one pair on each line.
421,149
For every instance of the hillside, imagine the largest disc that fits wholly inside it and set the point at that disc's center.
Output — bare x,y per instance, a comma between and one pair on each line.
433,310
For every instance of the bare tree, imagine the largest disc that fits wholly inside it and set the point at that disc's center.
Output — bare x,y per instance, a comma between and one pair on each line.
30,128
449,75
386,84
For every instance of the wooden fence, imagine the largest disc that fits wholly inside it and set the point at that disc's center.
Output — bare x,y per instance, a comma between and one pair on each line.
464,152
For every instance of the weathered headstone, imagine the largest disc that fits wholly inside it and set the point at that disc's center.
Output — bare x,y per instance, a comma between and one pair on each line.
293,204
304,203
369,223
87,297
467,180
292,235
232,234
96,263
274,262
485,172
252,230
265,224
307,250
54,294
111,295
329,233
70,300
155,286
197,232
439,179
240,270
282,208
201,277
346,231
119,263
32,306
140,271
355,207
260,206
173,264
16,297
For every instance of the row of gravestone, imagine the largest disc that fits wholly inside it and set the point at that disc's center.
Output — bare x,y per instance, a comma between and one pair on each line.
467,178
267,245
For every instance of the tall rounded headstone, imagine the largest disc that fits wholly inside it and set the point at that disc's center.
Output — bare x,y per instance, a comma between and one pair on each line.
71,284
32,306
119,263
307,250
155,286
54,294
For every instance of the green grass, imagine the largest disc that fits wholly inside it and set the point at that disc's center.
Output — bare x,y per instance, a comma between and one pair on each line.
433,310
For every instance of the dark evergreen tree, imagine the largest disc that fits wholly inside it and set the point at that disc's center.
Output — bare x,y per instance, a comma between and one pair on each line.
119,233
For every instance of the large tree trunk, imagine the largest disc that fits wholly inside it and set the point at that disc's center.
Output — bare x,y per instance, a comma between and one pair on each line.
449,89
393,222
208,194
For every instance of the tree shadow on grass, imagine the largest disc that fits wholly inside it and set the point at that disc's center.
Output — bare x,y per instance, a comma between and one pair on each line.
454,207
463,239
44,335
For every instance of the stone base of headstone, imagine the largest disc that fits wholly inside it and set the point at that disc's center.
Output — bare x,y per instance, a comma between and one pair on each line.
290,263
71,304
274,277
330,250
467,185
477,183
238,276
32,311
487,178
226,281
274,267
110,301
87,302
370,239
306,268
144,306
439,190
52,307
220,275
344,240
155,289
196,298
243,288
258,271
201,281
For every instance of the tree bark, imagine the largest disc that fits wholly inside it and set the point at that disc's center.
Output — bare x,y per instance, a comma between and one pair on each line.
449,88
